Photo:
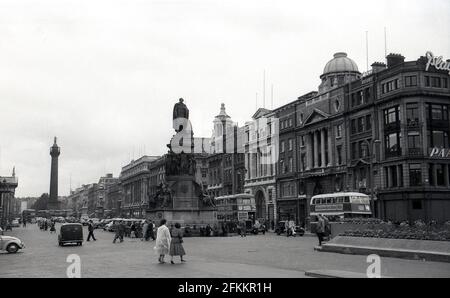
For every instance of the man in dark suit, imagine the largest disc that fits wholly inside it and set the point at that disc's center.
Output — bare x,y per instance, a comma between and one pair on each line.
91,231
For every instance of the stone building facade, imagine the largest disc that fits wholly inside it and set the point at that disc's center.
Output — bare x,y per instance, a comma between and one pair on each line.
384,133
260,134
135,183
226,162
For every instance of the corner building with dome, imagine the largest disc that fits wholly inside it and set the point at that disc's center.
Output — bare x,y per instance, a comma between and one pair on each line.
384,133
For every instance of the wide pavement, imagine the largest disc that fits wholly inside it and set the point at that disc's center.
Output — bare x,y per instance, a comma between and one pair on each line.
264,256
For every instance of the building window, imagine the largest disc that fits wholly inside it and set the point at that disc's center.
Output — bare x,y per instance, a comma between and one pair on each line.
393,170
355,149
369,122
436,82
411,81
440,177
353,126
367,95
415,174
290,122
291,165
391,115
437,112
291,146
386,177
361,126
360,97
412,113
338,131
303,160
302,141
339,155
437,138
282,147
362,149
390,86
353,99
413,140
392,143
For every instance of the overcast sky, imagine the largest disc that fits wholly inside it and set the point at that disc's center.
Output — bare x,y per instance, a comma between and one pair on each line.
103,76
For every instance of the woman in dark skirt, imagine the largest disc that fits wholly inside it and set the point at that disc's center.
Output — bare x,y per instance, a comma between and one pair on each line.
176,246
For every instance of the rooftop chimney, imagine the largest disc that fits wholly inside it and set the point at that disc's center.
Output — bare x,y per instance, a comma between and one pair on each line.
378,66
394,59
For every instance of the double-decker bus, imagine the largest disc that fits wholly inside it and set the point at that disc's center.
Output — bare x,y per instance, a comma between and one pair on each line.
235,208
342,205
28,215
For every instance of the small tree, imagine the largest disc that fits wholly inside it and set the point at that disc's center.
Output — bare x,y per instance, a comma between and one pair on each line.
41,203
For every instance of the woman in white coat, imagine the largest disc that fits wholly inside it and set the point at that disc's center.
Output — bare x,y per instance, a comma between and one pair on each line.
162,241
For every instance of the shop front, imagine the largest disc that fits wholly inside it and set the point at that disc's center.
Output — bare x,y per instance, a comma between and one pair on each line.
294,209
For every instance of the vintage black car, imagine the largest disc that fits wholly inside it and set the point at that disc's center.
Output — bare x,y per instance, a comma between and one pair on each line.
71,233
281,228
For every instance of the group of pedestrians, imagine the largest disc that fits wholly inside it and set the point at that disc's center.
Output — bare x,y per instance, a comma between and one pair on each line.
46,224
289,226
169,242
145,230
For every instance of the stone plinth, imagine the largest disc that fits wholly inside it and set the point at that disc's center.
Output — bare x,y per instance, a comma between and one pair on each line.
185,206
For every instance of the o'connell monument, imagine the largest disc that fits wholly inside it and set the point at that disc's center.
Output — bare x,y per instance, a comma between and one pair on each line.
53,203
180,198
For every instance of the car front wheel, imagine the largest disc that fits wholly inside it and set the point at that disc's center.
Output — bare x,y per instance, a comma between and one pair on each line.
12,248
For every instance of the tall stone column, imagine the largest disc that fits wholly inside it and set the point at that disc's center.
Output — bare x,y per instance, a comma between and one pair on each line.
330,148
309,163
322,148
53,198
316,149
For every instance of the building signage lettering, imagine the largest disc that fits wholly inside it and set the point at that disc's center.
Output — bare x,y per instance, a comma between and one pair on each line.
242,216
440,152
334,207
438,62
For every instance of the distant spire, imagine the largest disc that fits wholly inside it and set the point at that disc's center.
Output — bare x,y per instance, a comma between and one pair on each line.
14,171
54,141
222,113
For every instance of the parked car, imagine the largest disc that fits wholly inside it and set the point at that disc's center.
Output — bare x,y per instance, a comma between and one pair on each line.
109,226
259,229
10,244
70,233
15,223
103,223
84,221
280,229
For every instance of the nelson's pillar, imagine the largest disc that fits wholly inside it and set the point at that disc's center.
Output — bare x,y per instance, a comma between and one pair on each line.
53,203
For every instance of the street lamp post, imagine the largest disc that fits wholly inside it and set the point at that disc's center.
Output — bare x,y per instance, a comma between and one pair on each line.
371,148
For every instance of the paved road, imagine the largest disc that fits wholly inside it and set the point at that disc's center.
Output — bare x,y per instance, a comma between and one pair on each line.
255,256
